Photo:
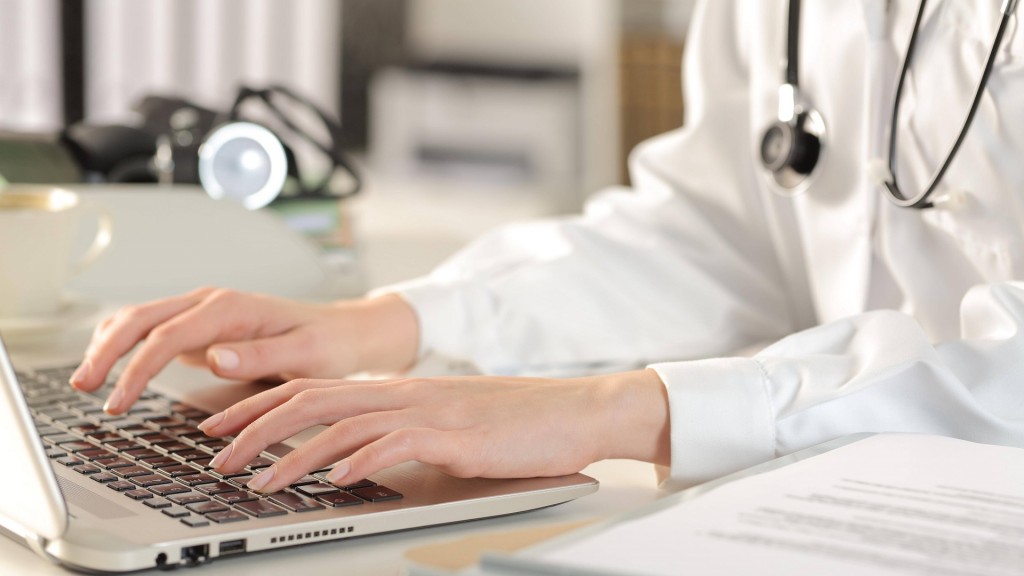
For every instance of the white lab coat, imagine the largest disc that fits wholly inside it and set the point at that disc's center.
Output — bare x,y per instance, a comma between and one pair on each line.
890,319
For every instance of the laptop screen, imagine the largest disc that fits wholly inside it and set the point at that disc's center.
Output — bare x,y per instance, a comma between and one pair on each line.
31,503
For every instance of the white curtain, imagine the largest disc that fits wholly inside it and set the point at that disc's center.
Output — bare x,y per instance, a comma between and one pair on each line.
30,71
203,49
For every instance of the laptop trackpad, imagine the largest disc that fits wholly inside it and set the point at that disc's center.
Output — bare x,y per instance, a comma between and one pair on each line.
91,502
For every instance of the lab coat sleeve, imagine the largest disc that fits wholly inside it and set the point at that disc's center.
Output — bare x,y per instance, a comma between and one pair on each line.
681,266
874,372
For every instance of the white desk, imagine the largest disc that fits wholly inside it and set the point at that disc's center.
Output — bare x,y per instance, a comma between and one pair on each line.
624,484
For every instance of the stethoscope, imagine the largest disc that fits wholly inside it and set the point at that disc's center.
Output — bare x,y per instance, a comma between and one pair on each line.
792,146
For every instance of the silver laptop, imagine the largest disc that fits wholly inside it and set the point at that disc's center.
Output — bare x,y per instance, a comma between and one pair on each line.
97,492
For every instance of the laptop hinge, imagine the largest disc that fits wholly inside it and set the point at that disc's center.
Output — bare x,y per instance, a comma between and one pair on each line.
33,542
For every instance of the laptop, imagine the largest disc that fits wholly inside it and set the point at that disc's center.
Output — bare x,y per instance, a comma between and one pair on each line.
103,493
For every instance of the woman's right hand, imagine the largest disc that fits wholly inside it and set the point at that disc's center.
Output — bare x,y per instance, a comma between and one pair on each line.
244,336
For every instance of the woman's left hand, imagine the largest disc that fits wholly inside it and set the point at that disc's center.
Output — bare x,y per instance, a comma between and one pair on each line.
492,427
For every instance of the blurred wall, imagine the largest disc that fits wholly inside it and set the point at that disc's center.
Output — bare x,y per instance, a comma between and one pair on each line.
30,70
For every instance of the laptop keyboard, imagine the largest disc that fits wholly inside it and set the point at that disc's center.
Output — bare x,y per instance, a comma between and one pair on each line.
155,455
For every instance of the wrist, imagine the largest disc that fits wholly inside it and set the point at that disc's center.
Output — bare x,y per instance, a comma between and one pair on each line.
384,333
634,408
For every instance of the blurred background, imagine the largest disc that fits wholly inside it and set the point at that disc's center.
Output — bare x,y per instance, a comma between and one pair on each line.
459,115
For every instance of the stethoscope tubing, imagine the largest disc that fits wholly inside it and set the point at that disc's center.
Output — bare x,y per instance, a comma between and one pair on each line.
922,200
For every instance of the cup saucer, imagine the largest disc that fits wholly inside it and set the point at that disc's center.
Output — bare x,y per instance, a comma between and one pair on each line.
72,312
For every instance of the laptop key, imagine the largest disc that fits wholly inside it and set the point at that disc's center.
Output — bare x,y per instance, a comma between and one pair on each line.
116,463
180,431
104,436
227,516
315,490
159,439
60,438
186,499
121,485
260,509
217,488
377,494
141,453
357,485
131,471
151,480
119,424
179,469
194,436
194,456
140,432
260,462
214,445
79,425
138,494
364,483
339,499
55,453
157,503
86,469
207,507
122,445
157,458
60,415
162,463
166,422
195,522
235,497
241,481
176,512
76,446
168,489
294,502
103,477
70,461
197,479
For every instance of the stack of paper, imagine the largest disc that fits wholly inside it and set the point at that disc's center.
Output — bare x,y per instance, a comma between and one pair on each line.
886,504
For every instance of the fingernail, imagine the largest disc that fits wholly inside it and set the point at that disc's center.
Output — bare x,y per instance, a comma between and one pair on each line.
81,373
222,456
224,358
262,479
114,401
211,422
339,472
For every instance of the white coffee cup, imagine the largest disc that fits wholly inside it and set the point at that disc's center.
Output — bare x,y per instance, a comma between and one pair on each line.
38,227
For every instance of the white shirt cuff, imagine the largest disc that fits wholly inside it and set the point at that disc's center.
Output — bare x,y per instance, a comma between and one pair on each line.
721,418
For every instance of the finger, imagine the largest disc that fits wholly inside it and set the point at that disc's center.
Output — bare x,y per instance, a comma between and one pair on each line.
310,407
328,447
360,396
196,358
427,445
196,327
245,412
117,335
253,359
281,422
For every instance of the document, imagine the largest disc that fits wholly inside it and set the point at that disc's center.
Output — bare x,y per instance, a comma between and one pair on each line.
888,504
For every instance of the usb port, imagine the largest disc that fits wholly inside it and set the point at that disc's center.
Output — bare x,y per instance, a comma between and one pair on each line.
232,547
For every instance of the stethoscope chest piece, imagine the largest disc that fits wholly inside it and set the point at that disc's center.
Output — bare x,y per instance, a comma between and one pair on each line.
792,148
